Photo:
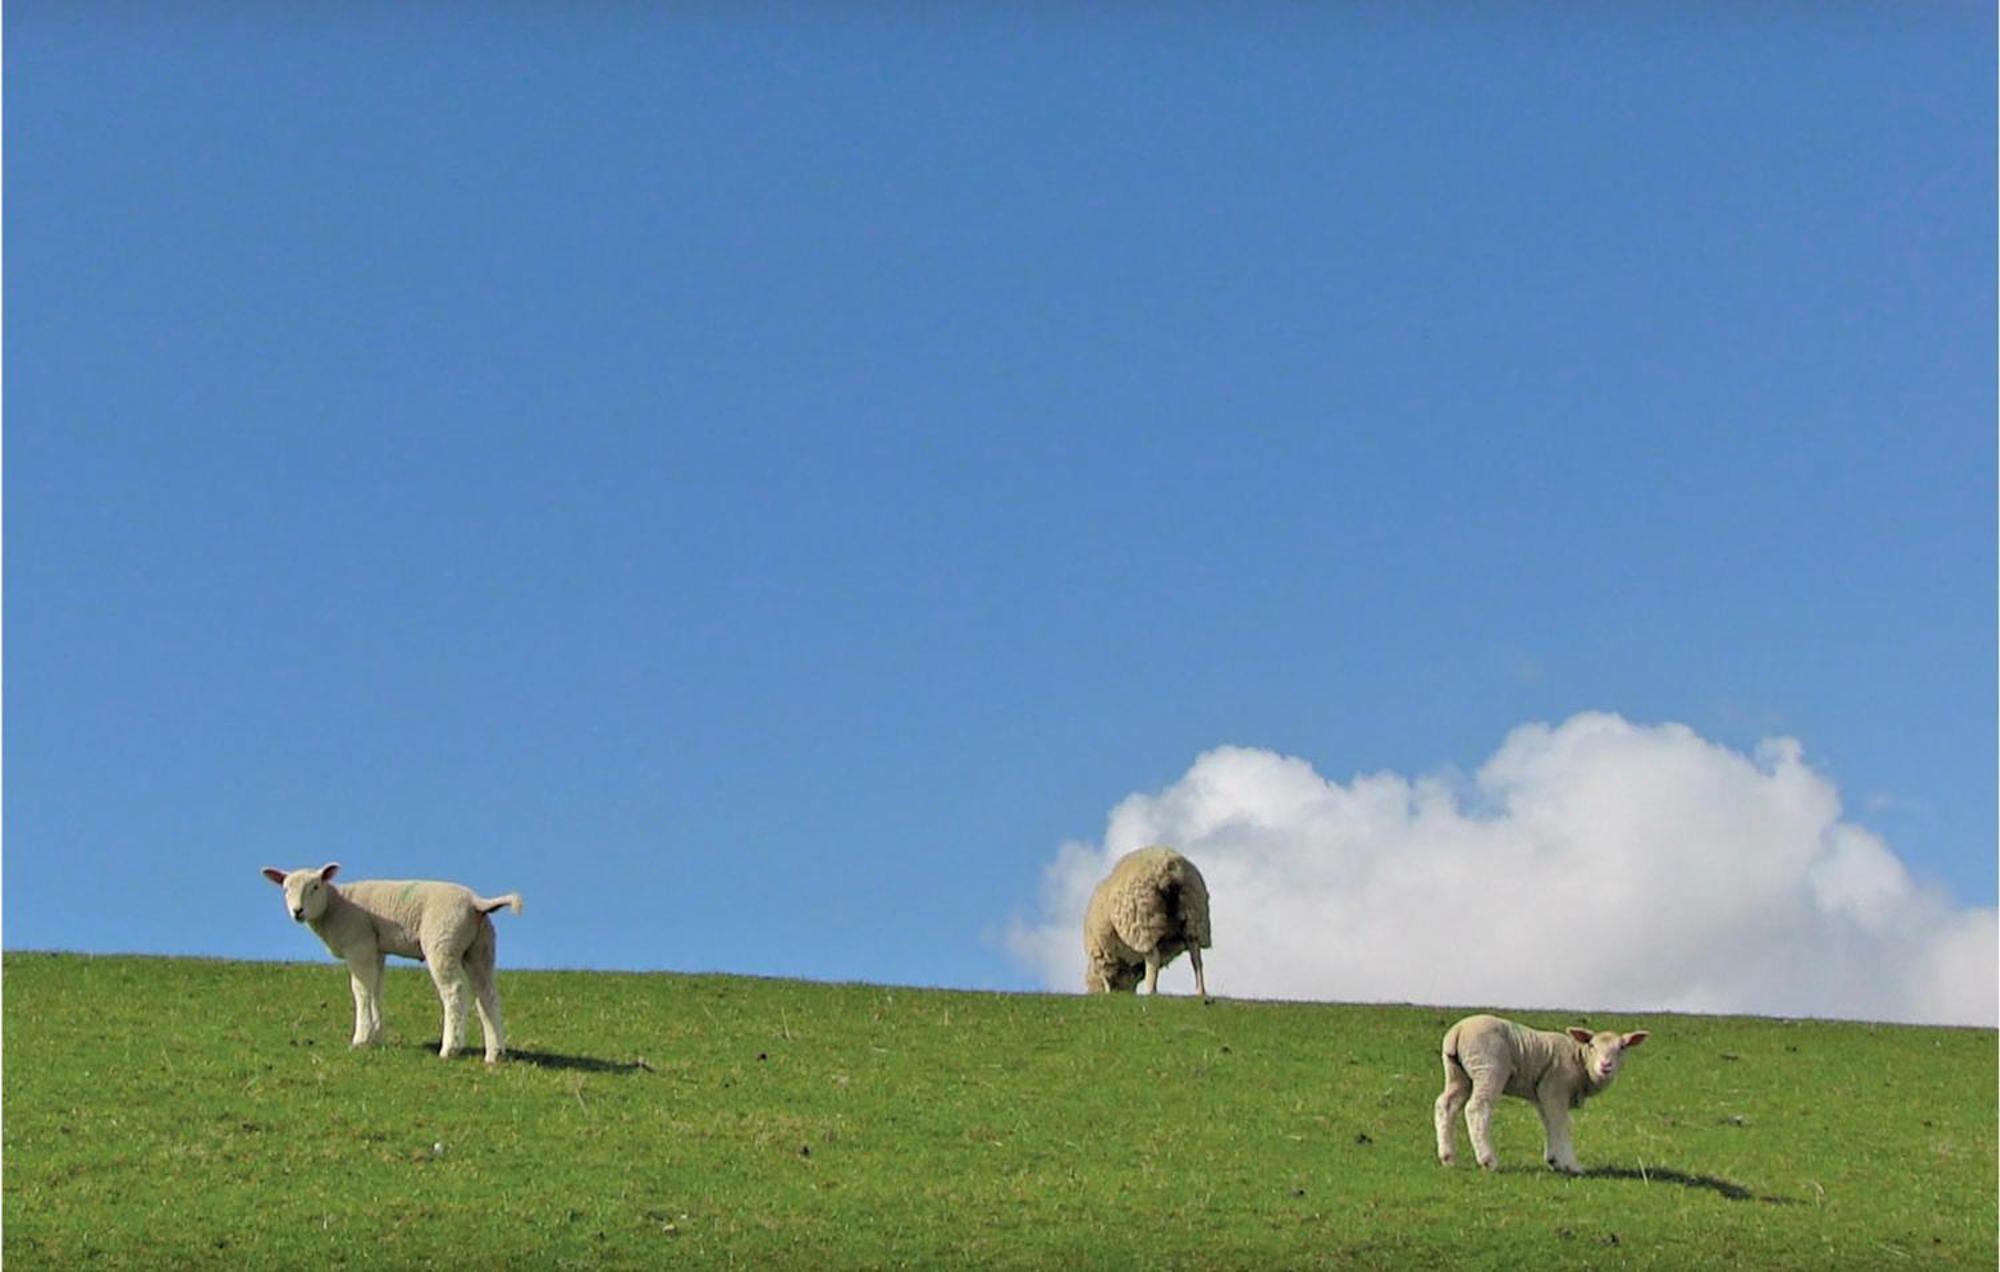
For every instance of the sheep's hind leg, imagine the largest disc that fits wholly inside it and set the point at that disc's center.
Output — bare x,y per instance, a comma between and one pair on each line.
448,974
1457,1086
487,1000
1479,1118
486,995
1152,971
1200,982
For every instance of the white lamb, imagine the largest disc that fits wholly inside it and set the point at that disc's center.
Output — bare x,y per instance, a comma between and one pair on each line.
1486,1057
1150,907
444,925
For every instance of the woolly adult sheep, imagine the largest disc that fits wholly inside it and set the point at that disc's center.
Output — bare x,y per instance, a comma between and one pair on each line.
444,925
1150,907
1486,1057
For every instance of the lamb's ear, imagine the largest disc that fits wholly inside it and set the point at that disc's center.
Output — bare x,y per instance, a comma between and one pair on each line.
1634,1039
275,875
1581,1035
326,871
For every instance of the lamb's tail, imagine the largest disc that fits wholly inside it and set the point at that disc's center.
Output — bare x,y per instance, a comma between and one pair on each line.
487,905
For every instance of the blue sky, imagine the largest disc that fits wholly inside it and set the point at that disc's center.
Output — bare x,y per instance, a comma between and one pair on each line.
759,485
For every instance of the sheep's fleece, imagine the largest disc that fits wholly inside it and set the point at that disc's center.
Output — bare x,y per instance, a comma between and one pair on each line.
1150,907
1486,1057
446,925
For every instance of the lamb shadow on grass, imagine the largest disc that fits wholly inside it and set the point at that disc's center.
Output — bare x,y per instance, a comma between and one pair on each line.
585,1064
1708,1183
552,1060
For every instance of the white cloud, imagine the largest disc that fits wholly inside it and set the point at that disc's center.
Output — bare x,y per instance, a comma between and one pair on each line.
1595,864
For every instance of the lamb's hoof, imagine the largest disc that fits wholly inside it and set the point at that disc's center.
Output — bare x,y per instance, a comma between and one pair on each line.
1447,1159
1489,1163
1563,1168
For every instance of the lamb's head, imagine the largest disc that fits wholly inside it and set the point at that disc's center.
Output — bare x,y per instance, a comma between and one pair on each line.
1107,975
306,891
1603,1052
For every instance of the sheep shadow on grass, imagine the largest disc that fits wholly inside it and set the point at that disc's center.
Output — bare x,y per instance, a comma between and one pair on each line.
1708,1183
586,1064
552,1060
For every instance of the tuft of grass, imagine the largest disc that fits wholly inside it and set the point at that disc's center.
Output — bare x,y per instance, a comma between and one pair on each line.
184,1112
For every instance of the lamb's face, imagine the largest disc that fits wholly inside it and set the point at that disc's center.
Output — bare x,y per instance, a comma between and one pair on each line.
306,891
1605,1051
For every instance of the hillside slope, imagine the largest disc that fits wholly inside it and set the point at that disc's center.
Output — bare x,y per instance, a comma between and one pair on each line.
186,1111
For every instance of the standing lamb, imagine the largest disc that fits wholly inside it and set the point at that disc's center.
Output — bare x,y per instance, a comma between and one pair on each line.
444,925
1150,907
1486,1057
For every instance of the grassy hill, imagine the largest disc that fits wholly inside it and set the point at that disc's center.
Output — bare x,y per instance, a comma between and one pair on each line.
172,1111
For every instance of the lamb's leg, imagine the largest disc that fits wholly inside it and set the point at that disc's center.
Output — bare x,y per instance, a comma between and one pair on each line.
1200,982
1479,1117
1152,971
357,980
375,997
1556,1150
364,975
448,974
486,992
1457,1085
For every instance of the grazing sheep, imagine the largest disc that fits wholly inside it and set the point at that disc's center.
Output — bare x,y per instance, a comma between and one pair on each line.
1150,907
444,925
1486,1057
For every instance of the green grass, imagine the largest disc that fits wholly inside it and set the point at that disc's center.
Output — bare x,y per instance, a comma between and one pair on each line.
169,1112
